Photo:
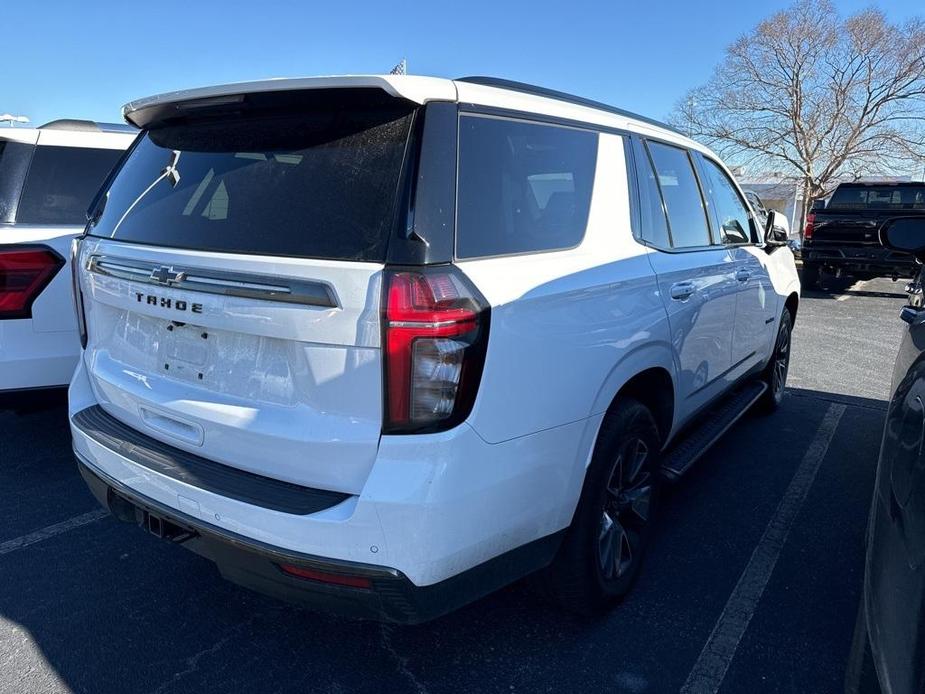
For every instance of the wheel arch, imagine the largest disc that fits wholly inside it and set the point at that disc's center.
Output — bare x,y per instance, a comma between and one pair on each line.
646,375
791,304
653,388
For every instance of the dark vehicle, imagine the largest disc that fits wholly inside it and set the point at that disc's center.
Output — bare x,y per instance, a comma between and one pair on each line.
887,655
841,238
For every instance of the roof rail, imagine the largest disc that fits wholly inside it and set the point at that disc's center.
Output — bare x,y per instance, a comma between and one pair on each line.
563,96
87,126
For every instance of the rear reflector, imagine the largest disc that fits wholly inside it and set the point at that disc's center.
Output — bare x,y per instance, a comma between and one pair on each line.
24,273
324,577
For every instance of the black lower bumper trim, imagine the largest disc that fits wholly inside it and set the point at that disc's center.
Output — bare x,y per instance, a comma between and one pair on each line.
255,565
206,474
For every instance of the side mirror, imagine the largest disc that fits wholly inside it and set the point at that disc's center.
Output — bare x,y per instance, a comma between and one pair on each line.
777,229
906,234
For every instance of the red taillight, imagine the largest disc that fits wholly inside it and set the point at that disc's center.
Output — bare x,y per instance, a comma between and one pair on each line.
325,577
808,230
24,273
434,335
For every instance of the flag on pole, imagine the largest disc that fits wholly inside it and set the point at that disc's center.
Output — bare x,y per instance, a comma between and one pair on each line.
400,69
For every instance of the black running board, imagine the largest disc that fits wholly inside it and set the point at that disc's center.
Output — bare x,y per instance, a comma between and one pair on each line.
712,424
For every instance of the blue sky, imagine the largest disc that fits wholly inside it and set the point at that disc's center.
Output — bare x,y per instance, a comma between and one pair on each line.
84,60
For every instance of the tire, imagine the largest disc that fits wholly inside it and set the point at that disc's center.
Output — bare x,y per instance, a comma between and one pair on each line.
593,569
861,674
809,278
775,373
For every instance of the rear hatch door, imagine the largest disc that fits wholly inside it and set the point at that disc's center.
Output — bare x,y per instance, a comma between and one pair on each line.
855,213
231,283
847,227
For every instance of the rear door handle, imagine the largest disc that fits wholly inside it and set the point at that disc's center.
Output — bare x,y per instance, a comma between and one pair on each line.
743,275
681,291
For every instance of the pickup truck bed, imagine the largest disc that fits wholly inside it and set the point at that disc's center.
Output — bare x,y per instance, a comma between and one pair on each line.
843,237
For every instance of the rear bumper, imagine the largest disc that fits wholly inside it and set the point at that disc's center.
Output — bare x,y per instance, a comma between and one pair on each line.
34,359
874,259
390,597
442,518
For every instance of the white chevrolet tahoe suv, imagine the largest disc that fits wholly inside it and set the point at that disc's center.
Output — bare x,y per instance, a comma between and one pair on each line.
385,344
48,177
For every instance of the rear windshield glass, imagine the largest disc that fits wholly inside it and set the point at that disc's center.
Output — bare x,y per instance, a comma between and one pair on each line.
62,182
523,187
890,197
317,185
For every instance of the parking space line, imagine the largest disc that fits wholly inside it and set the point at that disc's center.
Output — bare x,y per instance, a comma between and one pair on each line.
51,531
857,286
717,654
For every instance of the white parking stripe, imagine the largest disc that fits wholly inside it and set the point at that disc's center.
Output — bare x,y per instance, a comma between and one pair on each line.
51,531
857,286
710,669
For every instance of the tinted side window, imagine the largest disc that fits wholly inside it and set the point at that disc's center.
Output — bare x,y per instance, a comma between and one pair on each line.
753,198
61,183
652,214
686,216
730,210
14,163
522,186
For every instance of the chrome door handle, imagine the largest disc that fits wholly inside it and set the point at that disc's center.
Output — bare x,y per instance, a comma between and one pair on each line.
681,291
743,275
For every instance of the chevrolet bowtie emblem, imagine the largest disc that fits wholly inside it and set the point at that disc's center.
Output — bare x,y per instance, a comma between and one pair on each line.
166,275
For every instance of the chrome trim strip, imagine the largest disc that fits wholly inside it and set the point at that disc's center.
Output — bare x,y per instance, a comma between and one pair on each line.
251,286
423,325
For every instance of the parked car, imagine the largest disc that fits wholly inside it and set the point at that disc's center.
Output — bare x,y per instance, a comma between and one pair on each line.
887,651
761,212
385,344
48,176
840,237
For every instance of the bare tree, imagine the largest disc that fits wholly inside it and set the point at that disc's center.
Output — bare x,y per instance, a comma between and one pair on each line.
818,96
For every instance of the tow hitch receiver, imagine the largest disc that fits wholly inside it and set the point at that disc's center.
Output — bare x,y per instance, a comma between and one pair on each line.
165,530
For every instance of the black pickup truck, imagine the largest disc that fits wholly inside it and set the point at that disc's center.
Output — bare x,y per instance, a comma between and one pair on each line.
842,237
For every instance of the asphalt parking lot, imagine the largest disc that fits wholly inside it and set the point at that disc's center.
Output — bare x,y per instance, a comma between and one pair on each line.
751,585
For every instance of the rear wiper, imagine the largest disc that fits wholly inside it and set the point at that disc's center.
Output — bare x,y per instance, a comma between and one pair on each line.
171,173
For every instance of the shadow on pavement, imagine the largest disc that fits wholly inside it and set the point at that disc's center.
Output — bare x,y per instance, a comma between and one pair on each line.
30,401
851,400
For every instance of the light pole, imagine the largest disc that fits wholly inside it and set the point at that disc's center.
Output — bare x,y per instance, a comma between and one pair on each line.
12,120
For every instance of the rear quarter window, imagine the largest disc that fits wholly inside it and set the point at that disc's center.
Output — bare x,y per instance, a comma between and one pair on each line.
62,182
522,187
